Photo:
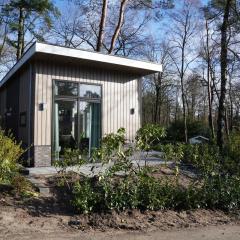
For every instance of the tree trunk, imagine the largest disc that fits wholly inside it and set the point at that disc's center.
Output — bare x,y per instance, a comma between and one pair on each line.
20,39
231,103
224,52
183,93
156,104
119,25
209,83
158,86
102,26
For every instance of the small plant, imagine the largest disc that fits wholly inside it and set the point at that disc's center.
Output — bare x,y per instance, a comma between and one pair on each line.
71,158
149,135
22,187
10,152
110,144
85,197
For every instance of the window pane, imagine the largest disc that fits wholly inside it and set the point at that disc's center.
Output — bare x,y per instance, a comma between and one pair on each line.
66,88
90,125
90,91
65,131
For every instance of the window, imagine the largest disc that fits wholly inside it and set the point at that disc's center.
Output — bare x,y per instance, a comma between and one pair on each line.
76,117
90,91
66,88
23,119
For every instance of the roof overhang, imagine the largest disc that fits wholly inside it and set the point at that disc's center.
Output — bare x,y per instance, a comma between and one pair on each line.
41,50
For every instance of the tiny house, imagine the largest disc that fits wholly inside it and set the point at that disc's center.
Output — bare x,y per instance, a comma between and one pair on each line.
57,97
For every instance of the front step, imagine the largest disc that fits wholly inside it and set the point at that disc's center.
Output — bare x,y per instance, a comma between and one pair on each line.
43,188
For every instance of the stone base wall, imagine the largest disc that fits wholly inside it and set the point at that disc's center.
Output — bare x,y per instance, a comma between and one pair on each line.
42,156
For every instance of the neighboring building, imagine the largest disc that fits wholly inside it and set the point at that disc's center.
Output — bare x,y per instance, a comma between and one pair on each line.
198,140
56,97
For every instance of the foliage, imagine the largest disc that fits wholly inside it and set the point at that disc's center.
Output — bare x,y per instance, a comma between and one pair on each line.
110,144
175,131
85,197
27,18
149,135
71,157
10,152
205,157
22,187
232,154
221,192
125,186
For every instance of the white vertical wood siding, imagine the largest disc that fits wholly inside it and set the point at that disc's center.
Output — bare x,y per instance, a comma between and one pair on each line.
120,93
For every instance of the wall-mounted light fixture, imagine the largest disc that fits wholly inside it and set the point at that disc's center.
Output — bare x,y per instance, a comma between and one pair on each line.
132,111
41,106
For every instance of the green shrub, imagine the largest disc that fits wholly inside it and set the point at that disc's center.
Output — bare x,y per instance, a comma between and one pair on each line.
10,152
110,144
71,157
149,135
205,157
138,188
220,192
86,198
232,154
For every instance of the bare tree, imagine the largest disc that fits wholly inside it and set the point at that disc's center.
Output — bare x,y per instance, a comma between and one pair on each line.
102,26
183,30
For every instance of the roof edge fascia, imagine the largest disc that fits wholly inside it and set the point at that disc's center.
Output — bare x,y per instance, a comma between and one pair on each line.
27,55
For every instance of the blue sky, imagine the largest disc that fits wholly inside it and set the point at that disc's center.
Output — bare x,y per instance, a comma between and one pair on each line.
62,3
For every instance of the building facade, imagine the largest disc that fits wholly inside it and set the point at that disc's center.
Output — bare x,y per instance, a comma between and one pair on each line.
56,98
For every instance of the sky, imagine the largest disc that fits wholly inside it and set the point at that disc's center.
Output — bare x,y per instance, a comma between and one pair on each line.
155,28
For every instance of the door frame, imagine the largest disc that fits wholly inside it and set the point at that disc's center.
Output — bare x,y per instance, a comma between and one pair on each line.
78,99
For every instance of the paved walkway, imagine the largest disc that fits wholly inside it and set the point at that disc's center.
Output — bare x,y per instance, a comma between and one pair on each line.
139,159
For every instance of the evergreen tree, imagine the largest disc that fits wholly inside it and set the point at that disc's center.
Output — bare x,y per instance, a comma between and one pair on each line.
27,19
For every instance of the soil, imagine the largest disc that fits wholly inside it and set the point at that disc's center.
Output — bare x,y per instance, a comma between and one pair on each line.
43,218
51,218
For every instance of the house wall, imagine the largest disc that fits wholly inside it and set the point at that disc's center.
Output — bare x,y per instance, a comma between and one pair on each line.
2,106
121,92
24,89
14,101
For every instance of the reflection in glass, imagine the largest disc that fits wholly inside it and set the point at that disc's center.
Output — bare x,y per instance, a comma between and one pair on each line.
90,125
90,91
66,88
65,132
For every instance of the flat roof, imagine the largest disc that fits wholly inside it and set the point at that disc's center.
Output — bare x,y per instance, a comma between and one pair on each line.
110,61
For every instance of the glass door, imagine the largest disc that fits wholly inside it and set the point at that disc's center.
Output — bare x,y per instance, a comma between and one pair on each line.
90,125
76,117
66,126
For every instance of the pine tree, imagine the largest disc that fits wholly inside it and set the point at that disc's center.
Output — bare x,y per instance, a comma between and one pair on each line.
27,19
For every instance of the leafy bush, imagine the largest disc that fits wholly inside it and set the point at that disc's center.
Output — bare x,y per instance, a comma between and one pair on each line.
86,198
110,144
10,152
232,154
125,186
205,157
149,135
71,157
221,192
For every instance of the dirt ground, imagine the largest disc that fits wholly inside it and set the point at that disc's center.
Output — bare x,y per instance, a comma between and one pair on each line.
46,218
228,232
43,219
